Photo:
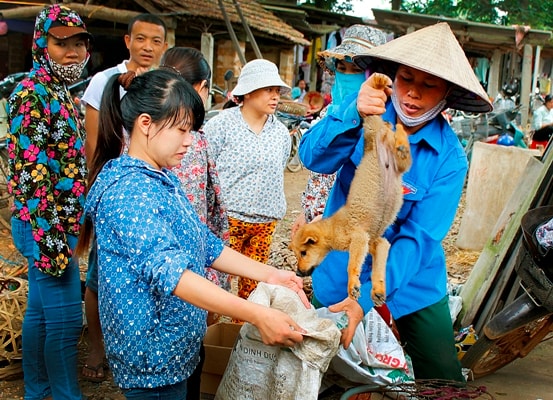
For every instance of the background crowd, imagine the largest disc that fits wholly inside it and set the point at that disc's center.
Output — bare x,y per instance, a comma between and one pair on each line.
168,209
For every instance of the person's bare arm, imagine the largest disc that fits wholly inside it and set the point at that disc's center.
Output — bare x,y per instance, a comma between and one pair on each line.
235,263
275,327
91,127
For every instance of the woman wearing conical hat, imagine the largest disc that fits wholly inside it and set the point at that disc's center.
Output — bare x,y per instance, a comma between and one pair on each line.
428,72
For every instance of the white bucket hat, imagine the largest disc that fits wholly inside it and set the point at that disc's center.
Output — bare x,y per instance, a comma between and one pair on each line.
357,39
435,50
258,74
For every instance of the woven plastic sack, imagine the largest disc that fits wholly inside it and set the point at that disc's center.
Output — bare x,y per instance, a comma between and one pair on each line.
374,356
257,371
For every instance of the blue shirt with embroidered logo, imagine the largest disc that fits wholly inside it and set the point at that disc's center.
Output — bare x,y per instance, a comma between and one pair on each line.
416,275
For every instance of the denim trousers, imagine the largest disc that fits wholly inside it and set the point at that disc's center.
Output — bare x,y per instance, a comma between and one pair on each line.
169,392
51,326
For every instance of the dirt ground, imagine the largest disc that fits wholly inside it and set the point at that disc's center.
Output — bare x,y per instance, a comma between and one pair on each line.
536,382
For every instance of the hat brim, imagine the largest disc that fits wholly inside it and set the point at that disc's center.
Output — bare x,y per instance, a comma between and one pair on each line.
242,89
65,32
345,51
357,39
440,55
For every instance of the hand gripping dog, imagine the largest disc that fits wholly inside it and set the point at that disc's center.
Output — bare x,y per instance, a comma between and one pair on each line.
374,199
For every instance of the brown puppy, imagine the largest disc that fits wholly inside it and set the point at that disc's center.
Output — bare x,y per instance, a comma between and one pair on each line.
374,199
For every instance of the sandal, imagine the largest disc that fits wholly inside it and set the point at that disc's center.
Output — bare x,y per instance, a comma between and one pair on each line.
98,370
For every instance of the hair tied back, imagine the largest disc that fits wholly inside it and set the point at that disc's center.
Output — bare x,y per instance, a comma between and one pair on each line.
170,68
126,79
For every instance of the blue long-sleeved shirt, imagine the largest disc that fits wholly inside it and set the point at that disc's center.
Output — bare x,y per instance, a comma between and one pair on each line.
416,275
148,234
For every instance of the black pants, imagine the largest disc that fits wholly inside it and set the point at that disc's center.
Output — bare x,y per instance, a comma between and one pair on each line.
193,392
543,134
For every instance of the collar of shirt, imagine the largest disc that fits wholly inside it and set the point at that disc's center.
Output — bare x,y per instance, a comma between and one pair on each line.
428,133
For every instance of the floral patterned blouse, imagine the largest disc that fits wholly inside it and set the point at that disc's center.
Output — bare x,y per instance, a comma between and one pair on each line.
47,168
200,181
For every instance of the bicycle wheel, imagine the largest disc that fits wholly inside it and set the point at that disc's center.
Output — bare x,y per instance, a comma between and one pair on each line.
294,163
487,356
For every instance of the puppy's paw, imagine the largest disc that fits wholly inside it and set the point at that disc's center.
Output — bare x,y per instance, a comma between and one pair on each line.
402,152
379,81
378,298
355,292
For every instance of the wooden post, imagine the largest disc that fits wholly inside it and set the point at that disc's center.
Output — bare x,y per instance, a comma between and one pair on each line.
206,47
248,30
232,34
495,71
526,81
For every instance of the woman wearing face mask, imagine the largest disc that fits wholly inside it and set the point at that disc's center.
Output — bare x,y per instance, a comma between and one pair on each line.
428,72
348,78
47,179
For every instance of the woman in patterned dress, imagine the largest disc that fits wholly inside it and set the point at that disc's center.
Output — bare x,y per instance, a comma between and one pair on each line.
250,147
348,78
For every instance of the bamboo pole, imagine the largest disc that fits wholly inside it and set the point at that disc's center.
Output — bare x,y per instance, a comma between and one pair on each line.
247,29
232,34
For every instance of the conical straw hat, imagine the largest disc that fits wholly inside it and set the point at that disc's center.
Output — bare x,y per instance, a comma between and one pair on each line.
434,49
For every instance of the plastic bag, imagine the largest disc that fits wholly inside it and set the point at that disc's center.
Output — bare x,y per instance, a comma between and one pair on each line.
374,356
258,371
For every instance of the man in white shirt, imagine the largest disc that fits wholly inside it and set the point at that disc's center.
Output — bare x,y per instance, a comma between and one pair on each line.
146,40
542,121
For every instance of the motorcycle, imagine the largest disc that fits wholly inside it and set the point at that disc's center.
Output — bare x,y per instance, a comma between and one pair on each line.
528,320
226,94
496,127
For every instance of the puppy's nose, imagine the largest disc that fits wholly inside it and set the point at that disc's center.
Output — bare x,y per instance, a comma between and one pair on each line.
303,274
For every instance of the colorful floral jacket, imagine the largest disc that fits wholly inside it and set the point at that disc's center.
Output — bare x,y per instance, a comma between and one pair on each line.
47,165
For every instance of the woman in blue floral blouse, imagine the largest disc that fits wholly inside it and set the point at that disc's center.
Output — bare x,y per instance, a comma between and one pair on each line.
152,247
48,181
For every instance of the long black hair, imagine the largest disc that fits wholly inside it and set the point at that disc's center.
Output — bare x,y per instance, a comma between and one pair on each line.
164,95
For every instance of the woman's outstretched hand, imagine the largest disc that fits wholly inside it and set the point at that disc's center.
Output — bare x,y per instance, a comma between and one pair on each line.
290,280
354,311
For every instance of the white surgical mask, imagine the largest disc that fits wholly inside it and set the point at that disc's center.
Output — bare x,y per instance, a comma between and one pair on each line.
415,121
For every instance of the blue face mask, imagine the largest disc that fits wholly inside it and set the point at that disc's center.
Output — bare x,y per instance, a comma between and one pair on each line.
344,85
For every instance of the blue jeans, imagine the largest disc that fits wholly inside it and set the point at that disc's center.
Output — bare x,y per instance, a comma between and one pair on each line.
51,326
169,392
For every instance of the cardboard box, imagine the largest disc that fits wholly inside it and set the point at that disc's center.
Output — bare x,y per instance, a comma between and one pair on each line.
218,342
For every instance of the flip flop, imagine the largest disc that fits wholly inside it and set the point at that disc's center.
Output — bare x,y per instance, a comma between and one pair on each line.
95,369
